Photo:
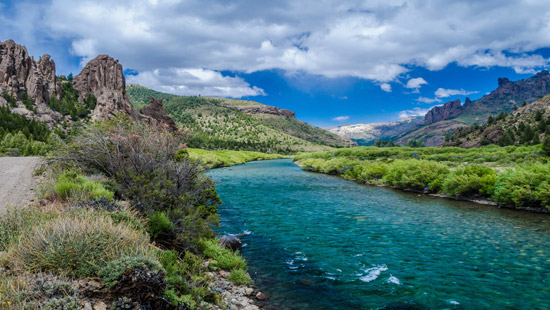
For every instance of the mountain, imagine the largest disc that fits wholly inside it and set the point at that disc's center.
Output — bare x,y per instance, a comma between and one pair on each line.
366,134
441,120
525,126
221,123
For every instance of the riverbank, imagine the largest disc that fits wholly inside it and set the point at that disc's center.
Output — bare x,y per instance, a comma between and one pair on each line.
123,222
508,177
211,159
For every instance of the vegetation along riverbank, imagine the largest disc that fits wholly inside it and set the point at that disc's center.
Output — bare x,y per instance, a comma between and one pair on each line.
124,222
511,176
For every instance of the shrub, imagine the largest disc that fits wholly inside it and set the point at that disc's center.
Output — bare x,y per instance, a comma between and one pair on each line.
112,272
523,186
416,174
187,281
224,258
159,224
370,171
145,164
239,276
78,246
470,181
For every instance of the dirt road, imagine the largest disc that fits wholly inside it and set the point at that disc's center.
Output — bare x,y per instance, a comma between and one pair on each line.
17,183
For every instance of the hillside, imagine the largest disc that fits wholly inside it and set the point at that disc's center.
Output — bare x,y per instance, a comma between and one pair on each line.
366,134
525,126
219,123
452,115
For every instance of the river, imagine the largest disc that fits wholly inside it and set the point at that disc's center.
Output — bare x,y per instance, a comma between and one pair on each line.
321,242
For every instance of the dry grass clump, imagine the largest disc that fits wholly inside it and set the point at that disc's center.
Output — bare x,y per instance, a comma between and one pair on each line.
78,246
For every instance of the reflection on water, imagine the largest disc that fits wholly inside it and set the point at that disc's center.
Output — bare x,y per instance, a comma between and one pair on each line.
320,242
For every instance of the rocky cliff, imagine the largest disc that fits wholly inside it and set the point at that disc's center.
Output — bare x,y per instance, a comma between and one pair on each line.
154,114
103,78
21,75
446,111
265,109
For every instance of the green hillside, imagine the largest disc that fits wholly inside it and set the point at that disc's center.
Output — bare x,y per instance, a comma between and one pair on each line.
213,124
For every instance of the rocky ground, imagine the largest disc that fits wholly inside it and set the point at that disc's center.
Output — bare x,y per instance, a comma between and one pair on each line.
236,297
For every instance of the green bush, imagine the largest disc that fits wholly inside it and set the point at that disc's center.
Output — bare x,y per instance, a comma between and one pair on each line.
114,269
523,187
187,280
78,246
470,181
159,224
239,276
224,258
371,172
416,174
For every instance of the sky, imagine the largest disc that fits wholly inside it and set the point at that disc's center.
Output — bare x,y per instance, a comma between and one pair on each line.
333,62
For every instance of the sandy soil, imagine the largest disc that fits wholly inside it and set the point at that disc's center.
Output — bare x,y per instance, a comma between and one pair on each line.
17,183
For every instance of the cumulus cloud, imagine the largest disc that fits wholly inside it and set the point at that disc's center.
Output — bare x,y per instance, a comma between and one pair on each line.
386,87
444,92
193,81
414,112
341,118
428,100
376,40
416,83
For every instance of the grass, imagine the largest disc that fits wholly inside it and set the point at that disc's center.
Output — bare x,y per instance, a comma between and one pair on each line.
239,276
224,158
78,246
225,258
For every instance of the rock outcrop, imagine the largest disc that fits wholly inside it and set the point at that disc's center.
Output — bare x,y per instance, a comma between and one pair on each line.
446,111
265,109
154,114
103,78
20,73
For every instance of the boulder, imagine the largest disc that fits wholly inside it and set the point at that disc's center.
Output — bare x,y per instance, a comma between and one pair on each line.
231,242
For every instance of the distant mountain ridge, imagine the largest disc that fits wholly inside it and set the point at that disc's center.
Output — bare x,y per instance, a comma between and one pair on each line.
452,115
366,134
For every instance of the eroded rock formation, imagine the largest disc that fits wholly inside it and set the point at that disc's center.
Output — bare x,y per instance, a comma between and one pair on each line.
103,78
265,109
155,115
446,111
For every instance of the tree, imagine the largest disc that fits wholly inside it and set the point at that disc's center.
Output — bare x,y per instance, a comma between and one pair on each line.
546,145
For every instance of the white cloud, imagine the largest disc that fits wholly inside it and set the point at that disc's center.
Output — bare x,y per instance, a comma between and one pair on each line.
416,83
376,40
444,93
386,87
193,81
414,112
428,100
341,118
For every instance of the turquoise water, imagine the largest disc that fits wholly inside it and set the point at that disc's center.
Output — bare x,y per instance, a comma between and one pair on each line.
321,242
